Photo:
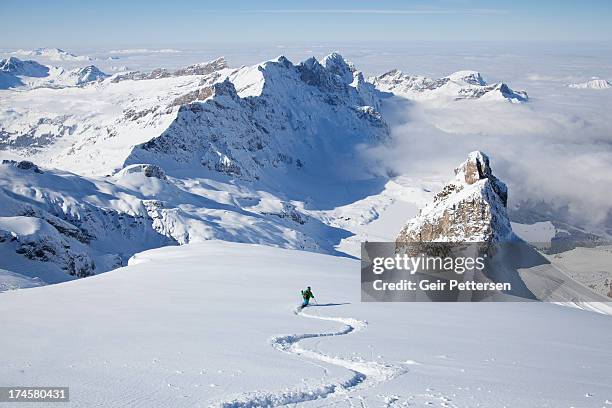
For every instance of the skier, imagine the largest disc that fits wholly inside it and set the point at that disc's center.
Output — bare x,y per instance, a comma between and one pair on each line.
306,295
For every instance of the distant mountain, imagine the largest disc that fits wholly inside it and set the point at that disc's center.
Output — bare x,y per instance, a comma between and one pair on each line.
457,86
13,69
17,73
204,68
86,74
17,67
594,83
52,54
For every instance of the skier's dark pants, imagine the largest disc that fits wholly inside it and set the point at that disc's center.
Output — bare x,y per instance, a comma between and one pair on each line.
305,302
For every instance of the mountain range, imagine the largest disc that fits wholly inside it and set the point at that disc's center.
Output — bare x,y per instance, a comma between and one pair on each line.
99,167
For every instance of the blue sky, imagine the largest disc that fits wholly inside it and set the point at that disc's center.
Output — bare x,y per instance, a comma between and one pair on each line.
186,23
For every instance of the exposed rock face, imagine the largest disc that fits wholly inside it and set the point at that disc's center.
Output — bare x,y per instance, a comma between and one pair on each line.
149,170
470,208
23,165
204,68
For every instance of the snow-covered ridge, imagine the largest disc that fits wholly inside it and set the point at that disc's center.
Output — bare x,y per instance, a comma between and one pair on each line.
274,104
457,86
272,115
51,54
203,68
259,154
56,225
128,51
16,73
594,83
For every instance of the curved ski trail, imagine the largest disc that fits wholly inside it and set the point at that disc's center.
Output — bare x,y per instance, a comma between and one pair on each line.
364,373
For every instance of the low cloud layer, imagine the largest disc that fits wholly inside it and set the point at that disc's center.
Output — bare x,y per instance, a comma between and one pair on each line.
557,149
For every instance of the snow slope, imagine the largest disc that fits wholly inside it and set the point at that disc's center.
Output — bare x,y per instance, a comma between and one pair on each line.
214,324
56,225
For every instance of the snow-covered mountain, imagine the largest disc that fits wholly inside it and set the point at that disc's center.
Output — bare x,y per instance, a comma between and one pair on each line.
204,68
302,117
51,54
17,73
56,225
595,83
87,74
267,154
12,70
457,86
269,114
293,122
470,208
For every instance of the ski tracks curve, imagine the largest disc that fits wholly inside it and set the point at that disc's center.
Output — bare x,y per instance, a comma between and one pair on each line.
363,373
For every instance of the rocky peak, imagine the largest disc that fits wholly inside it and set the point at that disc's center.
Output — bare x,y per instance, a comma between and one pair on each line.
89,73
148,170
477,168
468,77
312,72
470,208
15,66
203,68
23,165
337,65
225,88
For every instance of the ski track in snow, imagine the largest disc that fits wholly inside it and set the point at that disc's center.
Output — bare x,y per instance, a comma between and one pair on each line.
364,373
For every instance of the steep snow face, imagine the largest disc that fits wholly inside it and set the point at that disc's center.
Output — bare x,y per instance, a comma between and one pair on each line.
594,83
17,67
302,117
335,64
459,85
56,225
470,208
87,74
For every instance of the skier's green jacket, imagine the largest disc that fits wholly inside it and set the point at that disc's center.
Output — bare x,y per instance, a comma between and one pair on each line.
307,294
